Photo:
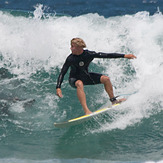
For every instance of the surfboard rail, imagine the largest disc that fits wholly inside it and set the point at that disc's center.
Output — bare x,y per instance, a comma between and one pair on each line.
83,118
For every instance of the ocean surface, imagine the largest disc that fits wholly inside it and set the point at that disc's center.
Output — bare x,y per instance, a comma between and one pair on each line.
34,43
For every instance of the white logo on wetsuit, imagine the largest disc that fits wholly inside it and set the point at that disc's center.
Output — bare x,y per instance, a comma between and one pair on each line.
81,63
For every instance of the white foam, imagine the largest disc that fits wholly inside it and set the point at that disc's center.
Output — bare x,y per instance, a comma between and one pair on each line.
28,44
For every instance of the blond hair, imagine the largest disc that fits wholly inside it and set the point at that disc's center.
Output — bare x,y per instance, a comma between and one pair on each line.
79,42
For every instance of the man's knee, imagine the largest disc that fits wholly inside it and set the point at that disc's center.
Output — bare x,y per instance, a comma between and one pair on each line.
79,84
105,79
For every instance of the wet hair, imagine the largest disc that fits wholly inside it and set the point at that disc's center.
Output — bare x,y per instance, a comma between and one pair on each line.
79,42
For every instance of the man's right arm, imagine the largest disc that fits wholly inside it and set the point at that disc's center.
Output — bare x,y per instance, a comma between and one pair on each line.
61,77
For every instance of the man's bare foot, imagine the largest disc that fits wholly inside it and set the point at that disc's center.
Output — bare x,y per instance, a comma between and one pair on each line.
118,101
88,112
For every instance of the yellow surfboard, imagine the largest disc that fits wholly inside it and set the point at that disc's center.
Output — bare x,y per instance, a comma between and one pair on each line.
83,118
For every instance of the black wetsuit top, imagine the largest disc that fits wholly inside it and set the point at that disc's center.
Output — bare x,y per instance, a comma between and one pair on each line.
79,64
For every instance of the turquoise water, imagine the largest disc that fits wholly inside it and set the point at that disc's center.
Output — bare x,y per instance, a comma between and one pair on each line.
32,52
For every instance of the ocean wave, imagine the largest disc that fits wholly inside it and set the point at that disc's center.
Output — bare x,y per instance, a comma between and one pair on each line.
69,161
32,53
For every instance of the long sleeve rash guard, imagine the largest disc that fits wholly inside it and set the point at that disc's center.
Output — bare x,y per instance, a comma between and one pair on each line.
79,63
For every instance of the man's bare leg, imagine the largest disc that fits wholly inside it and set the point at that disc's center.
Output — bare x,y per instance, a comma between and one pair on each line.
108,86
109,89
81,96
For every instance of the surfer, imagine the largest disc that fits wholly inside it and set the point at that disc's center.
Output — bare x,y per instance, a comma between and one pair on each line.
79,76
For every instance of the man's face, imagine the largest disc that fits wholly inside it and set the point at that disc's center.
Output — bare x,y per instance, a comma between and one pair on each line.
76,50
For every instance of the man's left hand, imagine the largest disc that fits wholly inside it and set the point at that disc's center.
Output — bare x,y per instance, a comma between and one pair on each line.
130,56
